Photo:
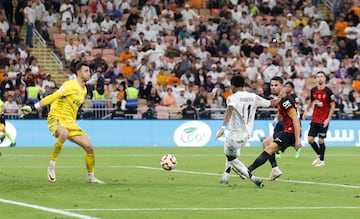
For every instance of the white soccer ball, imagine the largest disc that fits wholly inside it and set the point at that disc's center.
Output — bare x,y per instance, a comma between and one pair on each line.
168,162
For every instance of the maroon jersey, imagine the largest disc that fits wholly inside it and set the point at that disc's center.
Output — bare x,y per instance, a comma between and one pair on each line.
286,108
322,99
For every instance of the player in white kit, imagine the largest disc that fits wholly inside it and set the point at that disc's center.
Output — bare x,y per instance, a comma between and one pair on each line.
240,113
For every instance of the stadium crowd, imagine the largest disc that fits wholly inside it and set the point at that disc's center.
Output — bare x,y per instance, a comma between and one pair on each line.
181,54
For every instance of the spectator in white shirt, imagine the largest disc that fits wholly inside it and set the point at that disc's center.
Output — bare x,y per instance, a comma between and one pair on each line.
148,12
188,13
93,26
66,10
71,51
107,24
85,47
29,14
10,106
81,28
68,27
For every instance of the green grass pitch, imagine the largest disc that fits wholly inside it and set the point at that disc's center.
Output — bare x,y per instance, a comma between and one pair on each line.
136,187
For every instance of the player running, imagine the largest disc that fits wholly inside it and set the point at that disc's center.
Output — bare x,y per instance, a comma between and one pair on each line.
240,112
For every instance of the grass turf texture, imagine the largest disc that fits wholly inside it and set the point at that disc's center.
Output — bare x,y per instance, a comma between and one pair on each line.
136,187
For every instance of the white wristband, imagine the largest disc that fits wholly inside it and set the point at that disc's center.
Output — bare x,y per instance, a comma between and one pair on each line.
37,105
223,127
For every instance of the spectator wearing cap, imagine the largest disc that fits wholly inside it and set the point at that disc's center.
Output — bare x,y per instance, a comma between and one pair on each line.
181,98
188,77
188,13
149,34
48,82
213,71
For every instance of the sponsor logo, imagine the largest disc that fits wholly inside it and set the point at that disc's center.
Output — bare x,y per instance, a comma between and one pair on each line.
10,128
192,134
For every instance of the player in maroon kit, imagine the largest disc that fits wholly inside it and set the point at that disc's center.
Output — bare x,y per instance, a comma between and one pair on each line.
281,140
323,100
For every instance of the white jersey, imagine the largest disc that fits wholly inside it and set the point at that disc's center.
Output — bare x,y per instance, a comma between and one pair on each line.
243,115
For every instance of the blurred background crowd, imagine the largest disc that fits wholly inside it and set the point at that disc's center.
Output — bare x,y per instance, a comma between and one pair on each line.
173,59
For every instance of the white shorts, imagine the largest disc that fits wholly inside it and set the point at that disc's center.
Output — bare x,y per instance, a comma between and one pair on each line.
232,147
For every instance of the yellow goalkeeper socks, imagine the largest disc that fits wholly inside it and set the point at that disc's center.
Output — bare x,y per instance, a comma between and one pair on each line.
57,149
90,162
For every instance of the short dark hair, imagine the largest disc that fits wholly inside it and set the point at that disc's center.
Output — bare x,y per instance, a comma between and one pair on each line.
80,64
238,81
291,84
321,72
277,78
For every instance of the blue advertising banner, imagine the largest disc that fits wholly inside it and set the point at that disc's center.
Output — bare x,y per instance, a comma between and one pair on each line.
182,133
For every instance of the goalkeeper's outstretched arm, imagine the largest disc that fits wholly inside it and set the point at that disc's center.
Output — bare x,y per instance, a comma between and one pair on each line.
23,111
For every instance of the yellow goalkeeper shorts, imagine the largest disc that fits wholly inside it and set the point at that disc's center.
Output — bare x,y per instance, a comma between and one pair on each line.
74,130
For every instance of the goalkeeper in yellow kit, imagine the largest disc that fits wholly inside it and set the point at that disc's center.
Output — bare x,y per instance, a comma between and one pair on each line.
65,103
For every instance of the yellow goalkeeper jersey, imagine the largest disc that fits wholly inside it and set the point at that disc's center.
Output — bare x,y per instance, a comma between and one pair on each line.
66,101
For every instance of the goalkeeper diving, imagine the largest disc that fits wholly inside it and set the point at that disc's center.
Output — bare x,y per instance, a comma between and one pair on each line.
65,103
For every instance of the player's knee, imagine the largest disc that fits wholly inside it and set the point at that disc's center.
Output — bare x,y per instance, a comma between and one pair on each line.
62,134
311,140
230,158
89,149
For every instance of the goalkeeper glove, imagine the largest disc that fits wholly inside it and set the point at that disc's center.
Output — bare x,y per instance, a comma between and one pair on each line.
25,110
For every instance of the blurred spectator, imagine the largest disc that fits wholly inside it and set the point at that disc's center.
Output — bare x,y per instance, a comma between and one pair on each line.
151,112
181,98
189,112
71,51
66,10
32,94
19,14
169,99
154,96
131,97
10,106
118,113
29,14
40,12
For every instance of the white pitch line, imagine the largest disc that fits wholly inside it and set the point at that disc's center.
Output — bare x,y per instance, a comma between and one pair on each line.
196,173
215,209
52,210
288,181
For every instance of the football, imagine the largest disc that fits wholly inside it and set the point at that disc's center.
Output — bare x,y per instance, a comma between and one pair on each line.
168,162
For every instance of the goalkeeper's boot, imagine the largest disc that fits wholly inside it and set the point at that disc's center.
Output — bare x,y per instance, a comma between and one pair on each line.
275,173
94,180
258,181
51,174
13,144
298,153
225,178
